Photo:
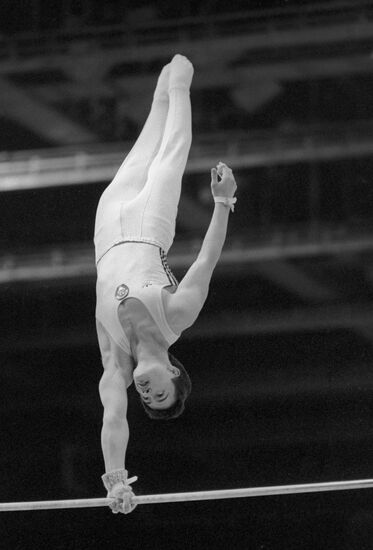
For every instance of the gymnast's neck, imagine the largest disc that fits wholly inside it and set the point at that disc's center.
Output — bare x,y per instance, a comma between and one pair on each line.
149,347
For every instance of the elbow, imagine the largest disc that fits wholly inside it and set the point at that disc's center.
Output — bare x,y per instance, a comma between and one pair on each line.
207,260
114,420
114,423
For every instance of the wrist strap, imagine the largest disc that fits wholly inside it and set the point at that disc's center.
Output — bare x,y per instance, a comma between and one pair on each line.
227,201
116,476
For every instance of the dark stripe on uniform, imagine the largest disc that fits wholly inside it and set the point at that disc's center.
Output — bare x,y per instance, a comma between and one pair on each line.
171,277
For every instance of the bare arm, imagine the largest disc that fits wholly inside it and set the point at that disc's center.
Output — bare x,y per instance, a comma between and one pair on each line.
214,240
115,430
192,292
113,394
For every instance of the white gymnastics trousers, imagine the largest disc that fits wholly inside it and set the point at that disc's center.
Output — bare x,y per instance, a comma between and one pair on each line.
141,202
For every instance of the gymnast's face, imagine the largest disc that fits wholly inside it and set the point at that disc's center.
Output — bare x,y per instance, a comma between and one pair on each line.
154,384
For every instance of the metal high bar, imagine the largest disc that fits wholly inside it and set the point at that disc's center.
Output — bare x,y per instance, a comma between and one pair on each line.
193,496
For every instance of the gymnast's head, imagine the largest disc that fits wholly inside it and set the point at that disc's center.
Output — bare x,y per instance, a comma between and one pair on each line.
163,389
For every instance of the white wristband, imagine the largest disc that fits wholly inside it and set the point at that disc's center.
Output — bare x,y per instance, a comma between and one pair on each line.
227,201
115,476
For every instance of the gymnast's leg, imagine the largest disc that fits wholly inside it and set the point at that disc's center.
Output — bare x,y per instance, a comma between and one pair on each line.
163,186
131,176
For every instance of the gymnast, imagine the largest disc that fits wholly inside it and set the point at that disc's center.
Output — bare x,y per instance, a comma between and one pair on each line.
141,309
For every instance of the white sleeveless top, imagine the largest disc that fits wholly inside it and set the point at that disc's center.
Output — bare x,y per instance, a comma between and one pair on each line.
133,270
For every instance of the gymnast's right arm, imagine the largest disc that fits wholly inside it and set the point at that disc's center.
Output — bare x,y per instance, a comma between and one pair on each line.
115,431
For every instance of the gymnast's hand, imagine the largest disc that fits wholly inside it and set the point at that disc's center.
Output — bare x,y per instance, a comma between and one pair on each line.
123,498
223,183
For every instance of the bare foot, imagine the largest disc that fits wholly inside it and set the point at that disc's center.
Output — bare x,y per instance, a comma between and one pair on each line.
181,72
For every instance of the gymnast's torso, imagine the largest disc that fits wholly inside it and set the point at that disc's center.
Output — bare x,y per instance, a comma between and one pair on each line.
134,285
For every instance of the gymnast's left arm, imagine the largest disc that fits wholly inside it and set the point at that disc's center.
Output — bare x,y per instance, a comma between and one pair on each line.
186,303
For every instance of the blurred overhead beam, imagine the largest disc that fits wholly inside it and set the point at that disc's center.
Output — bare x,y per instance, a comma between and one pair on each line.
294,280
40,118
77,264
99,163
262,81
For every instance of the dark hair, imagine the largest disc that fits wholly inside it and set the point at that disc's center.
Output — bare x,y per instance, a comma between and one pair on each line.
183,387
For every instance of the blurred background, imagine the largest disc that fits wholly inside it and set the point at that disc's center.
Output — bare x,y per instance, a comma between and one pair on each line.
281,356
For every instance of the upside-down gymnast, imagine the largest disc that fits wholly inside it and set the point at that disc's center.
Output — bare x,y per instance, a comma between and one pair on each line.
141,309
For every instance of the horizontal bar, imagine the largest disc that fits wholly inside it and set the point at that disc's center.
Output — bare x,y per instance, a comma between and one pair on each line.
256,492
200,495
54,504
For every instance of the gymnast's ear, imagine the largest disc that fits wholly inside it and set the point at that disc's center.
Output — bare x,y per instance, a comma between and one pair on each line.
175,371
